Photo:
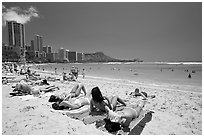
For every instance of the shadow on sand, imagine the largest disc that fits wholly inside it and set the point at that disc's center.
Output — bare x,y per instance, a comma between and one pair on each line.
137,130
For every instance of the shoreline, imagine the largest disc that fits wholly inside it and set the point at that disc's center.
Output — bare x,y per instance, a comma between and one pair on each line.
176,112
130,82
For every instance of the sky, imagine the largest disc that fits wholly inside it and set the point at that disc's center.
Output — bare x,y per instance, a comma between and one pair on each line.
168,31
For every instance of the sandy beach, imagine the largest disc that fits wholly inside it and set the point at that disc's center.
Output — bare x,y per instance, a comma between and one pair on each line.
175,112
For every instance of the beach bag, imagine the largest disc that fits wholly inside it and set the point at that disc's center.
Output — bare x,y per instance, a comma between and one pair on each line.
54,98
111,126
57,107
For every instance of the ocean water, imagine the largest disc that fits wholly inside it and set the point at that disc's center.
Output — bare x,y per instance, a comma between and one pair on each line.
152,73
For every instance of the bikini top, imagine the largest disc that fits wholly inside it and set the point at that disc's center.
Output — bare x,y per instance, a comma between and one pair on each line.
115,117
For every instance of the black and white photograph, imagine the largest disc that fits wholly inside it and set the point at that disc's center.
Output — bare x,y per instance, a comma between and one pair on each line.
101,68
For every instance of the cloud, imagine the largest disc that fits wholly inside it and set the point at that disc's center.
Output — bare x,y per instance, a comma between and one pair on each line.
17,14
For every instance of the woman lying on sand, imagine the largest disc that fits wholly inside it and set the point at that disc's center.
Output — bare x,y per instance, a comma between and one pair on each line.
137,93
75,93
75,103
103,103
25,89
127,115
74,100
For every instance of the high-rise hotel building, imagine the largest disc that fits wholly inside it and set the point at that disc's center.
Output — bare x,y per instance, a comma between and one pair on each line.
16,36
38,45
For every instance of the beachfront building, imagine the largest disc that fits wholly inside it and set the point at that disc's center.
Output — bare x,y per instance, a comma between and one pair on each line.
32,45
27,48
8,53
49,55
80,57
55,56
44,52
16,38
45,49
62,55
38,46
52,57
29,53
49,49
16,34
67,55
72,56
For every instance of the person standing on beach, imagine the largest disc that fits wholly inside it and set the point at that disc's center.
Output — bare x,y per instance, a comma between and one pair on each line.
55,70
83,73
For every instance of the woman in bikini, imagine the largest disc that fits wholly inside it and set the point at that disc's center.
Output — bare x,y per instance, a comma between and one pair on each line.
127,115
23,88
75,99
75,103
75,92
103,103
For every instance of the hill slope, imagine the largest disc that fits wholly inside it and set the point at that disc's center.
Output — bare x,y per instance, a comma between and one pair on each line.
98,57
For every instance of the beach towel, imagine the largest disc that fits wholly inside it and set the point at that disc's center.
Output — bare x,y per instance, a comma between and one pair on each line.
92,118
8,77
85,116
131,130
27,97
89,118
79,111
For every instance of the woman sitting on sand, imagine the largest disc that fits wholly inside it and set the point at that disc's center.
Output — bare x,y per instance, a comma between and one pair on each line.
103,103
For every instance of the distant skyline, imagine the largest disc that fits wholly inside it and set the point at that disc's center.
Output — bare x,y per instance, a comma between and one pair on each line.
168,31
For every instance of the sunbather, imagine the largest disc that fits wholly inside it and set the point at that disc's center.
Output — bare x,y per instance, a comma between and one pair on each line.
103,103
75,93
25,89
75,103
127,115
137,93
41,82
73,100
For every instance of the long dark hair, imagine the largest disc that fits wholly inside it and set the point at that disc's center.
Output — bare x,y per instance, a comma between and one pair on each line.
97,95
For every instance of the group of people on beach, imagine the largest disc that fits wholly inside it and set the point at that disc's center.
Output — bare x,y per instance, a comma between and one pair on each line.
79,97
99,103
73,74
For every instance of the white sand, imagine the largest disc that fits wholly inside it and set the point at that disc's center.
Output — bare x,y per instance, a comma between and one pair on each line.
175,112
